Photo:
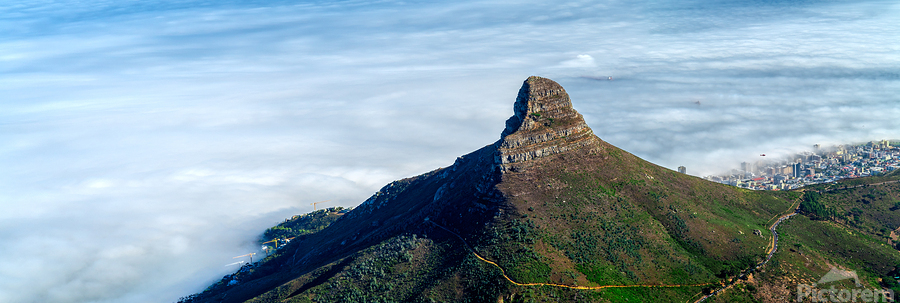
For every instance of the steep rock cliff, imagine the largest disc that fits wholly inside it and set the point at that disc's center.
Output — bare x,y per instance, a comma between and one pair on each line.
543,124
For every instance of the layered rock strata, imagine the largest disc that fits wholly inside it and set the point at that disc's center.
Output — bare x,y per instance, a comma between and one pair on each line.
544,123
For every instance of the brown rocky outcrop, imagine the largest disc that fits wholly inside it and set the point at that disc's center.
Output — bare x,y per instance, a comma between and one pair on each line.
544,123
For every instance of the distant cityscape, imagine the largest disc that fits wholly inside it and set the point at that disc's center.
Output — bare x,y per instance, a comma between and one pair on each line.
821,165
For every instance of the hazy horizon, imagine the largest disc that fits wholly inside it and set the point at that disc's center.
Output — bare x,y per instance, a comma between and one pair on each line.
146,143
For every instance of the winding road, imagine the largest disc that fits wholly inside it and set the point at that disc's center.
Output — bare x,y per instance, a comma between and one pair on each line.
772,249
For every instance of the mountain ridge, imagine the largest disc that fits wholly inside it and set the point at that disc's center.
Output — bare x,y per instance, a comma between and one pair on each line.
547,203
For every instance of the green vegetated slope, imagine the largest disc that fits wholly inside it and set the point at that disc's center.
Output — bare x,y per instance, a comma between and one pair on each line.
850,225
302,225
602,216
612,219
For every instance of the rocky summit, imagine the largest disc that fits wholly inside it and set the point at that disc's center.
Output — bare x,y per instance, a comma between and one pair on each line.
552,213
544,123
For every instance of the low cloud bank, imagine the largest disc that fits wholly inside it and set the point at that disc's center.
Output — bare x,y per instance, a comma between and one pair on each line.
146,144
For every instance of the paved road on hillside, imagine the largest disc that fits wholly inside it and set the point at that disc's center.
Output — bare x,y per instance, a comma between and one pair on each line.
861,185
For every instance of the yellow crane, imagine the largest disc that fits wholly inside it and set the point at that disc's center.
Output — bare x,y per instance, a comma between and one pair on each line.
317,203
267,248
274,247
250,254
276,241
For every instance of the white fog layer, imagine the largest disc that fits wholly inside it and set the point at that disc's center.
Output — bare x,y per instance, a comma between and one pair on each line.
143,144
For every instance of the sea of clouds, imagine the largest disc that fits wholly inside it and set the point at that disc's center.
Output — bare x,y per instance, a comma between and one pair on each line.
143,144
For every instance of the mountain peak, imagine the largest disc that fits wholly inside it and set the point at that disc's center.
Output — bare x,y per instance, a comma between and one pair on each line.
544,123
538,97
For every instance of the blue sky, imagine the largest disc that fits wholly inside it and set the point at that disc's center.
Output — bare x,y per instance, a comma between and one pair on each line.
145,143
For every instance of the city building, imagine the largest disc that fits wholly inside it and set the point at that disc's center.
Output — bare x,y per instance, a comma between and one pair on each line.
822,166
